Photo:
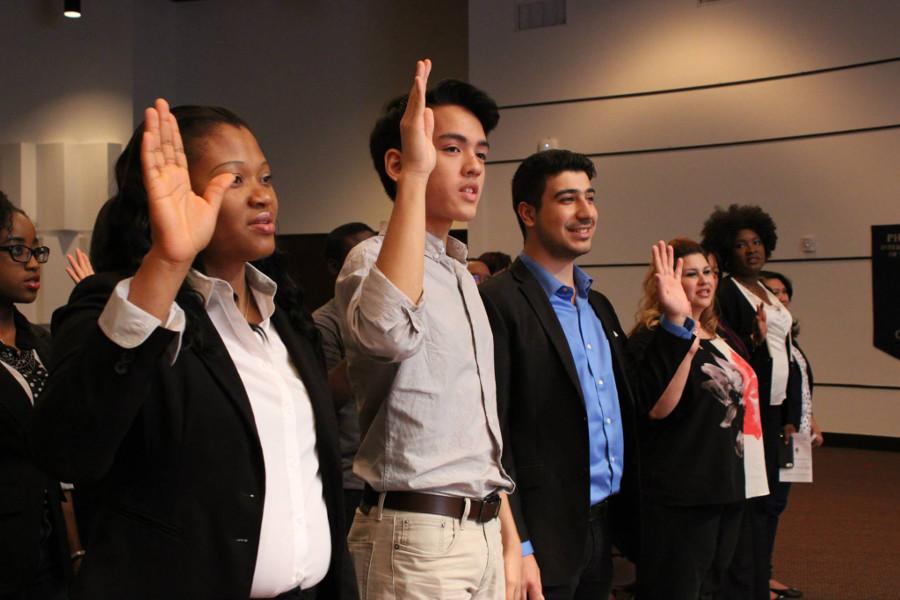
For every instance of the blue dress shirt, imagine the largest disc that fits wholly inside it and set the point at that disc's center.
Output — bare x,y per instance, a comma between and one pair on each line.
594,365
593,362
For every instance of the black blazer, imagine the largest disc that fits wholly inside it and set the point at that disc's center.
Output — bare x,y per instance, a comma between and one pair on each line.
22,484
175,455
545,434
740,316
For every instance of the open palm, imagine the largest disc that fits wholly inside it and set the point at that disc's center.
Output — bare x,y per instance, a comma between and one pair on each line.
181,222
417,126
672,300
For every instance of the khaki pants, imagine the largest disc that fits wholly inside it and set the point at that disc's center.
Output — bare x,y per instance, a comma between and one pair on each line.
401,555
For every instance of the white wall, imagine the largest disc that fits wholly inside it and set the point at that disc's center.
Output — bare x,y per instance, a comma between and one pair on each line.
832,186
64,81
310,77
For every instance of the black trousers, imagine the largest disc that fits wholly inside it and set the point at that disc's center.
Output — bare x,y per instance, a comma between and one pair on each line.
687,550
593,580
748,575
352,498
777,499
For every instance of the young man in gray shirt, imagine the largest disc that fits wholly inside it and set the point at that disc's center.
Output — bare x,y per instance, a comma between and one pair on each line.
420,361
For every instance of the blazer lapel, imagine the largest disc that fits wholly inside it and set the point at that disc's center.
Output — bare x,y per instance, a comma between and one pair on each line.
540,304
219,364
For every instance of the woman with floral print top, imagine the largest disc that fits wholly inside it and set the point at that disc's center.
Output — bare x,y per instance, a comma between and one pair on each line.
701,445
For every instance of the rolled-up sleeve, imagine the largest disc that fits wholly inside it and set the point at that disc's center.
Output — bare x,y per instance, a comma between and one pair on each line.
129,326
377,316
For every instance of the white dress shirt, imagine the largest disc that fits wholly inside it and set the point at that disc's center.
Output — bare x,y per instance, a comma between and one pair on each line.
295,542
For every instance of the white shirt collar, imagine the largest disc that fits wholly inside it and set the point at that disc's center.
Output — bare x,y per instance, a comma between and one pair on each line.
262,287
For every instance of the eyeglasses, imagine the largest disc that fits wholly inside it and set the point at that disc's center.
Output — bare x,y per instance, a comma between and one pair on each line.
22,253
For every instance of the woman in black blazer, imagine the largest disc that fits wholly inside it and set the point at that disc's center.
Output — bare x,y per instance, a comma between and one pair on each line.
743,238
34,556
780,285
186,393
698,431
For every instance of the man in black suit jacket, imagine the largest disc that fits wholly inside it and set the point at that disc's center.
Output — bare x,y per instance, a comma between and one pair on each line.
563,388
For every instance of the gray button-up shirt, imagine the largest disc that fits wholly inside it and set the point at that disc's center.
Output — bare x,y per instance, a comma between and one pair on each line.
422,375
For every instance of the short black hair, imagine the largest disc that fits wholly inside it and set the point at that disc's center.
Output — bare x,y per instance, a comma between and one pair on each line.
722,227
784,279
7,210
496,261
449,92
531,177
335,242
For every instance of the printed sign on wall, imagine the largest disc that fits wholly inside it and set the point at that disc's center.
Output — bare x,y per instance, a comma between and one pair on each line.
886,287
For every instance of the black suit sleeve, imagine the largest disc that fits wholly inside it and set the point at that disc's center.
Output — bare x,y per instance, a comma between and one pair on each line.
502,370
96,388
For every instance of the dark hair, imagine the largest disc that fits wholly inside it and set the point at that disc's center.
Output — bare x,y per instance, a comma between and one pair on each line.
788,288
496,261
785,281
336,249
7,209
121,234
722,226
122,231
531,177
449,92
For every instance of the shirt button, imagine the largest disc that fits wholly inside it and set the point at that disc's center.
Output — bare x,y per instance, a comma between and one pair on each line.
613,459
608,420
588,346
600,382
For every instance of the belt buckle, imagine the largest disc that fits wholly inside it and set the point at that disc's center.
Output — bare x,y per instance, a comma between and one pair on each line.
492,501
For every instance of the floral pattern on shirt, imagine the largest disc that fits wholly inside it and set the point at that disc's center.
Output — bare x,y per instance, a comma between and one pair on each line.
726,384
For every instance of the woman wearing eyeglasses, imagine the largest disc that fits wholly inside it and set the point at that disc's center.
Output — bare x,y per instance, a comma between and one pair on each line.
35,561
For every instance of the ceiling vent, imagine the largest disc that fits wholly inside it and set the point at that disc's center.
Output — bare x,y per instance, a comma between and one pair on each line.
531,14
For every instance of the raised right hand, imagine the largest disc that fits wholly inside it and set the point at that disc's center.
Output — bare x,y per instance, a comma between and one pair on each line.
417,127
670,292
181,222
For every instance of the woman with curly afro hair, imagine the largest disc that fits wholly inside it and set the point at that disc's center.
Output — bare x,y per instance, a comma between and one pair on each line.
743,238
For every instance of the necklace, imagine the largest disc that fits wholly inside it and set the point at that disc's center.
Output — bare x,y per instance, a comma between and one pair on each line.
26,363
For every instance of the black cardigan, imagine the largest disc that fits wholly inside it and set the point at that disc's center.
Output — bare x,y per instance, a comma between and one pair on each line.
689,458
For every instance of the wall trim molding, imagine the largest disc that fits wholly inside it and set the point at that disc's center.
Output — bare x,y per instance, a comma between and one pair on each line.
862,442
747,142
706,86
858,386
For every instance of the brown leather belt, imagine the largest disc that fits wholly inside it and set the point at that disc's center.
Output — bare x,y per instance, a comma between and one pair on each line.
480,511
